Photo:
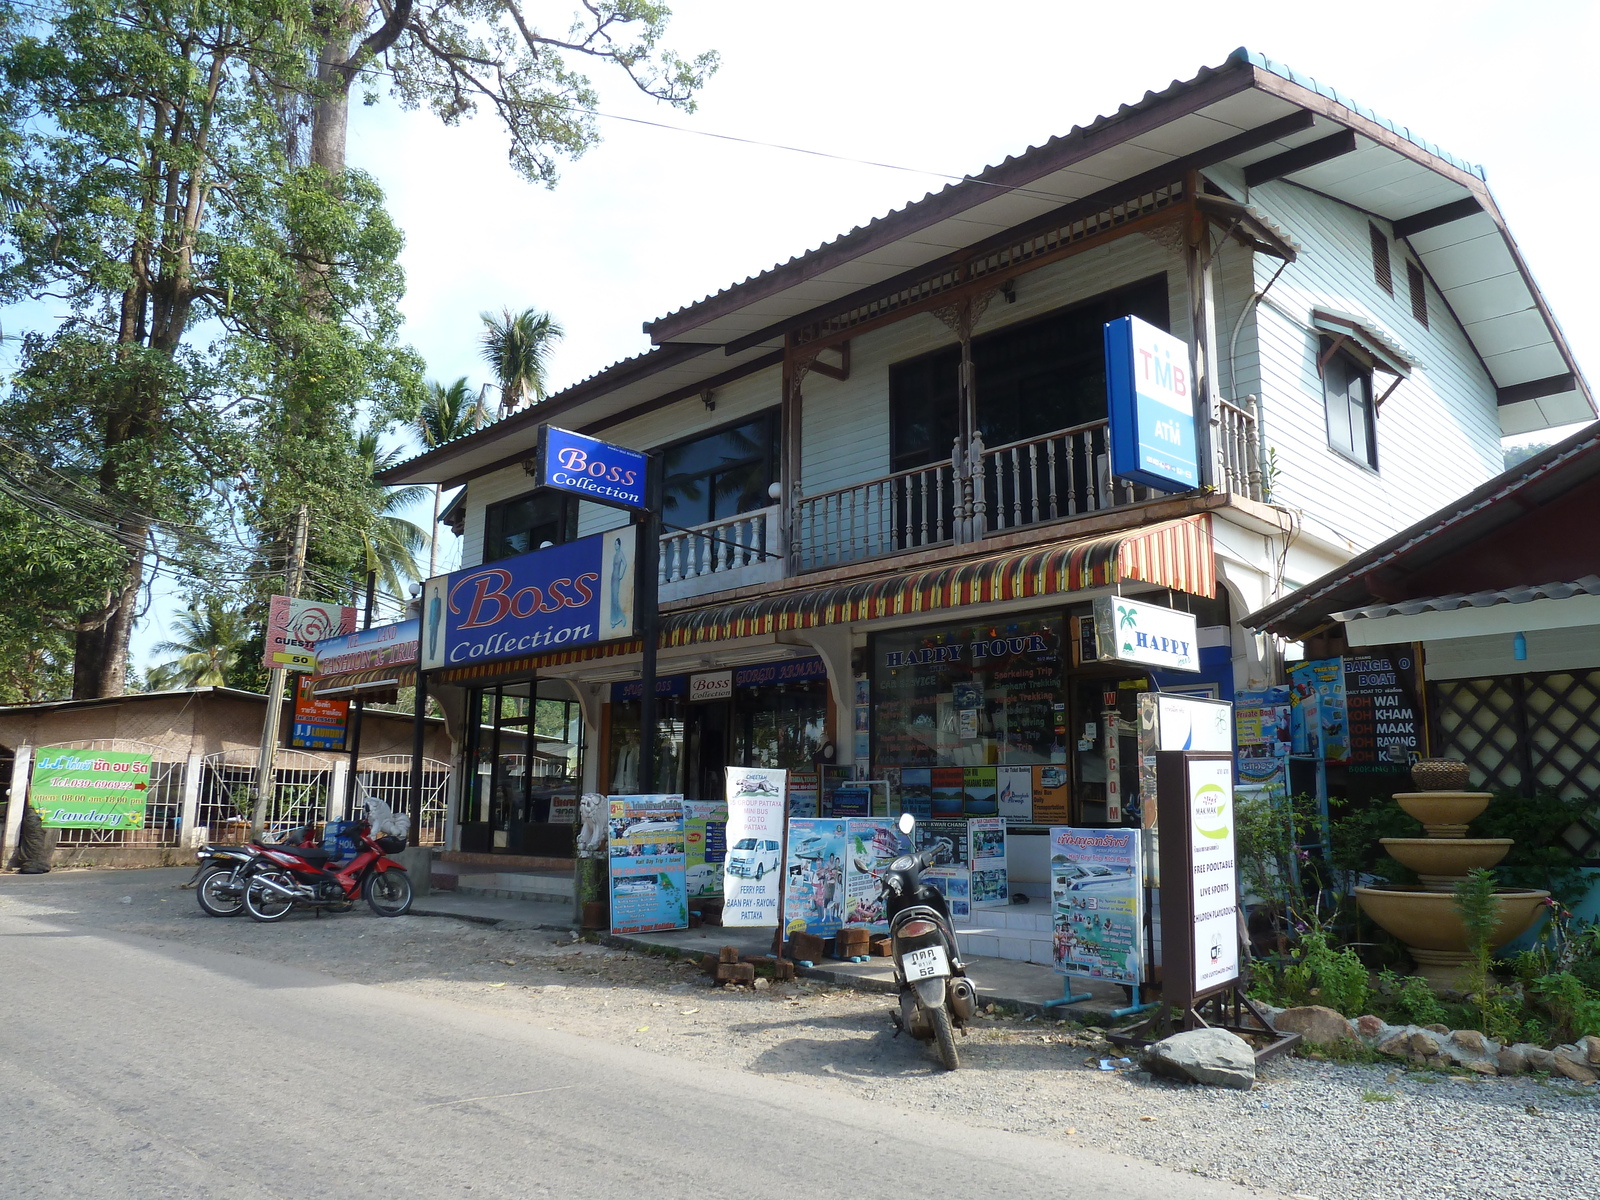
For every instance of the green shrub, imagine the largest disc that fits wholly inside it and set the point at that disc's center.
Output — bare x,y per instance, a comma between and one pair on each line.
1315,974
1410,1001
1575,1008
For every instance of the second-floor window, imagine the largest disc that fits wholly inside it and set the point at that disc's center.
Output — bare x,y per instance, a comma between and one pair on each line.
722,473
528,522
1347,391
1032,378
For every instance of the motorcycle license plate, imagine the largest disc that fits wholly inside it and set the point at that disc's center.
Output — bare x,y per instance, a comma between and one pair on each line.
926,963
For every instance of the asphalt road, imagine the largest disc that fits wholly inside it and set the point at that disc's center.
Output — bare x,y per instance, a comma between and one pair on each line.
133,1068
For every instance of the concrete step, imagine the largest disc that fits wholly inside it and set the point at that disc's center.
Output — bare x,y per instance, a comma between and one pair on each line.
546,886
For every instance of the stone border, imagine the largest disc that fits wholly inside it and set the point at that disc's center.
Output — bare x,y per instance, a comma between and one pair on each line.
1439,1046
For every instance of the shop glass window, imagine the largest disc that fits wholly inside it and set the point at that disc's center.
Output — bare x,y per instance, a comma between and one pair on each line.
526,747
1347,391
720,474
970,695
780,726
1031,378
670,761
528,522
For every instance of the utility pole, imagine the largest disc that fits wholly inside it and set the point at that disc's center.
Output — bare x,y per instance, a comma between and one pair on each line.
266,761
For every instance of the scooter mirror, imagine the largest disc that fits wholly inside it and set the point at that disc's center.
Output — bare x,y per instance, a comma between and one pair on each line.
907,823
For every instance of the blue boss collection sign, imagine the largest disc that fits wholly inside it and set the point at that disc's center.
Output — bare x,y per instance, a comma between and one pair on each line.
1150,396
570,595
595,470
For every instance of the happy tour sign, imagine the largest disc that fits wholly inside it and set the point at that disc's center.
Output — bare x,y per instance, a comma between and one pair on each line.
90,789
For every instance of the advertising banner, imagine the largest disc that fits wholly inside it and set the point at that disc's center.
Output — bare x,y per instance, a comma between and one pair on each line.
381,646
804,789
1133,631
318,724
90,789
948,839
815,896
1051,795
705,847
571,595
955,884
647,852
986,838
754,867
1321,723
294,627
588,467
1151,406
1214,874
871,845
1097,903
1015,794
1382,705
1263,737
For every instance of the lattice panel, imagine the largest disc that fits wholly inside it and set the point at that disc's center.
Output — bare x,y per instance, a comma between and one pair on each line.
1522,731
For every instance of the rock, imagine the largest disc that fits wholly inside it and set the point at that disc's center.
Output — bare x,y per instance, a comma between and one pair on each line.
1470,1040
1315,1023
1445,1029
1370,1026
1483,1066
1398,1043
1578,1072
1591,1047
1212,1056
1511,1061
762,983
1423,1043
1539,1059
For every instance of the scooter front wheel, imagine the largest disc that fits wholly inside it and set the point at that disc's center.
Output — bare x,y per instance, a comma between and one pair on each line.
389,893
945,1036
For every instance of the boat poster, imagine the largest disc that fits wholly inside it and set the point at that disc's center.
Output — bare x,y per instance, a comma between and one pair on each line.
647,859
1097,903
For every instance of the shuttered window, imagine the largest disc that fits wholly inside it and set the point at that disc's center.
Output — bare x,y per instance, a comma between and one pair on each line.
1347,391
1419,293
1382,272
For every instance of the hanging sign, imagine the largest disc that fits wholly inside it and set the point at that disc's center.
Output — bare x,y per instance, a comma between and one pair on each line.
90,789
588,467
1150,399
1134,631
294,627
571,595
753,866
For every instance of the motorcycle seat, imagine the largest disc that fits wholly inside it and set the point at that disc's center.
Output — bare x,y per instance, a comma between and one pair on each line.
315,855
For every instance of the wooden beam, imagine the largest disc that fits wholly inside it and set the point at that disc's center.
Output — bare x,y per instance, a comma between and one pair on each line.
1301,157
1550,385
1171,172
1456,210
694,389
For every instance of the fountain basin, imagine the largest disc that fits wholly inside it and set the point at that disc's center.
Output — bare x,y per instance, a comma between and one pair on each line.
1444,814
1440,862
1431,929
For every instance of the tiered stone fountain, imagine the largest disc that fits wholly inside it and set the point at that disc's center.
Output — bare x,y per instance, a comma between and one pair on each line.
1425,918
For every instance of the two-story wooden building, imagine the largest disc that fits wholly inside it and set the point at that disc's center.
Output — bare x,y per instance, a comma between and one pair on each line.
887,458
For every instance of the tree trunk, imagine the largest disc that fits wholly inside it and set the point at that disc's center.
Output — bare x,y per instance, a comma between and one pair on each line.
330,120
100,656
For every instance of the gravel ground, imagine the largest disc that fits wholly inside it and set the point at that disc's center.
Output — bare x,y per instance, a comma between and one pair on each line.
1310,1129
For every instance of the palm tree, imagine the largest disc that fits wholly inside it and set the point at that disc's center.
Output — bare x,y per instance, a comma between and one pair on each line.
447,413
516,348
389,542
208,641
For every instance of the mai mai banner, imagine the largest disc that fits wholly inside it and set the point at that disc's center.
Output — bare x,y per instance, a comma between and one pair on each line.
90,789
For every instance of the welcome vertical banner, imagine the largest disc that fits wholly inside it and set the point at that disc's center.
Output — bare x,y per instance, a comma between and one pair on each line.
753,868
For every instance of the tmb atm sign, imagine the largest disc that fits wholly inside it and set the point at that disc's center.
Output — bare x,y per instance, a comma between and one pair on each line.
588,467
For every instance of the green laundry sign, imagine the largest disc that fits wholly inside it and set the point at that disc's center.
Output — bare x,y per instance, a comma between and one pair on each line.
90,789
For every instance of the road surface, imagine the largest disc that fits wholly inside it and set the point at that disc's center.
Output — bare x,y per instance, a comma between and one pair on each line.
135,1068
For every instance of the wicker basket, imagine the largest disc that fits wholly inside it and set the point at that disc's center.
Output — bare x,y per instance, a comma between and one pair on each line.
1439,775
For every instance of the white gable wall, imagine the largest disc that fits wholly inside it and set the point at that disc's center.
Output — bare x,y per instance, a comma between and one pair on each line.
1438,434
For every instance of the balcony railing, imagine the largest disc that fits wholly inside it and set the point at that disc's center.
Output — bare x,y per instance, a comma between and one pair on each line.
1239,448
747,548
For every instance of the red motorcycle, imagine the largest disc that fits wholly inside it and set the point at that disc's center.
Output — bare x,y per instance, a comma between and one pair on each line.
282,877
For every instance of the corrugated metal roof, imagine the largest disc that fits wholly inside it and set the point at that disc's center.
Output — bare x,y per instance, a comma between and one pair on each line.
1589,585
1369,335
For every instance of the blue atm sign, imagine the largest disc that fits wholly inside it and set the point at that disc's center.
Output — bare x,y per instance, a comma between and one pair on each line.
588,467
1150,397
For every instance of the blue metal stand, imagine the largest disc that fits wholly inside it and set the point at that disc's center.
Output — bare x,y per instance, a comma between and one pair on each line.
1135,1007
1066,995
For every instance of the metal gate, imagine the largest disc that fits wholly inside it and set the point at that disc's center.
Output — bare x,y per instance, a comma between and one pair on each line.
227,787
163,805
1527,732
387,777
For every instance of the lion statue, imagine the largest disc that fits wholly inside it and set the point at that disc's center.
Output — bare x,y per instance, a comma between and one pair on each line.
592,811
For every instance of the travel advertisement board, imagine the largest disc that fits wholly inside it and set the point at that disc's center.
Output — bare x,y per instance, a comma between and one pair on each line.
986,838
570,595
1097,903
90,789
1263,736
753,871
647,859
814,897
1320,724
871,844
705,847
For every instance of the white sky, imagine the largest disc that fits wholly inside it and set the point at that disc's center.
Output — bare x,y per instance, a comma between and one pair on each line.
651,220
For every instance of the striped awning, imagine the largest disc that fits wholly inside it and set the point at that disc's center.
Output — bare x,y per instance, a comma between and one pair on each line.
1174,554
363,683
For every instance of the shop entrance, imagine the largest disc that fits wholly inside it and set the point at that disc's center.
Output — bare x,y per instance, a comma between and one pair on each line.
708,741
526,747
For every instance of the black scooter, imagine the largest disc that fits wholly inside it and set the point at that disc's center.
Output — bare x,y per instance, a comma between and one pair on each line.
936,997
218,877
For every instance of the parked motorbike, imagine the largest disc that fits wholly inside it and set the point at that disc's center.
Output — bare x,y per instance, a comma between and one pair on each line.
280,878
216,877
936,997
